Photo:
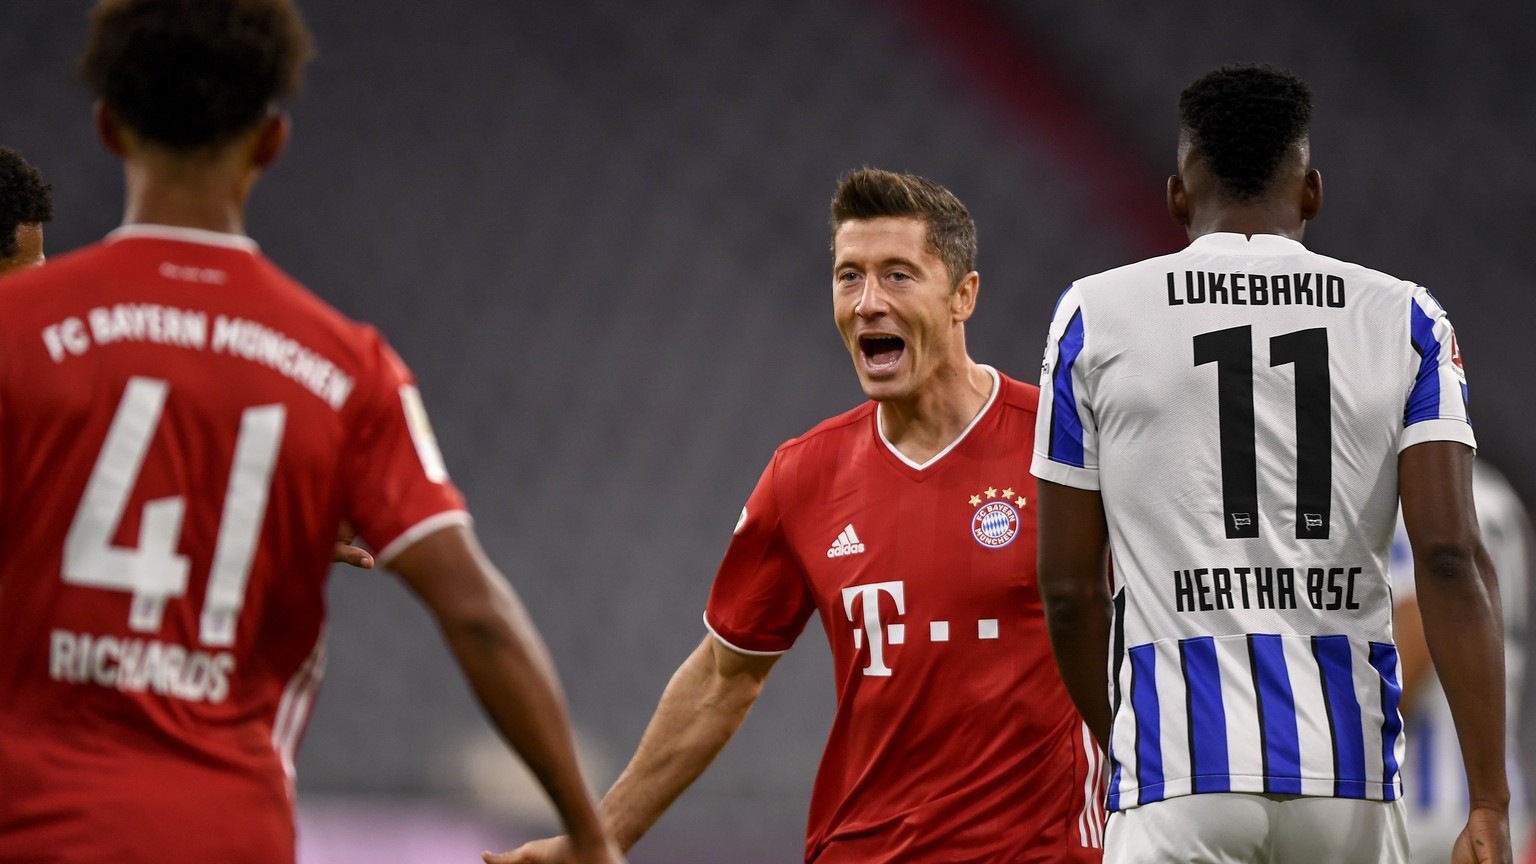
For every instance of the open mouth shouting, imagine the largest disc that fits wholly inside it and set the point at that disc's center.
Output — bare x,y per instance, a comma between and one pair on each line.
880,352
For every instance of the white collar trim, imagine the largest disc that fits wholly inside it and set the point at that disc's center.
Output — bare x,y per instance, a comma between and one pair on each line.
1258,244
186,235
997,386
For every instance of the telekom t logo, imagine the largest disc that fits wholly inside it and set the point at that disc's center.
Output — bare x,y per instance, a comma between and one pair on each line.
869,597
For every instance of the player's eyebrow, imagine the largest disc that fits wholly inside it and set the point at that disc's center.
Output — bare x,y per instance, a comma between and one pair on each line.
884,264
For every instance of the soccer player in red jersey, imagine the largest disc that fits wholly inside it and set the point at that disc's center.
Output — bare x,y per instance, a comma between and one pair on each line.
182,429
26,202
908,526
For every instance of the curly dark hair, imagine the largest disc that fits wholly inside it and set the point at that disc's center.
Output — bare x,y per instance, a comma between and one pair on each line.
25,199
189,74
1243,118
870,193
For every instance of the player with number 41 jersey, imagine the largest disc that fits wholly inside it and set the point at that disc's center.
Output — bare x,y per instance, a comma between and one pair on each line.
182,424
184,432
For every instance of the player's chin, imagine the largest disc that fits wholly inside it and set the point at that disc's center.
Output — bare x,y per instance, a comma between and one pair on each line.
883,388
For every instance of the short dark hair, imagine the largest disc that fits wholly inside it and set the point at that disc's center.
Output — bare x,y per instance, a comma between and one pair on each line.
1243,118
870,193
189,74
25,198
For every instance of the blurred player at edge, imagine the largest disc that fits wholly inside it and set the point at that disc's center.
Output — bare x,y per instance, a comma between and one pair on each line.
183,428
1237,422
908,526
26,202
1436,785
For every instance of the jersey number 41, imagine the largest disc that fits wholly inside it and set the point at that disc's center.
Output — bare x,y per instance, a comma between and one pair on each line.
154,571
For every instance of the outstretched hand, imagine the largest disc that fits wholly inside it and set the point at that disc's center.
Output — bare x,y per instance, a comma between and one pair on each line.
1485,840
554,850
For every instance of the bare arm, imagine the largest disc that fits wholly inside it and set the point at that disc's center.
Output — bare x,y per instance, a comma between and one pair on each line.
1463,626
1073,587
701,709
499,649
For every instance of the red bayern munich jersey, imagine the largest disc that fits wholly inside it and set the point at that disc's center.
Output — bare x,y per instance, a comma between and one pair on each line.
954,738
182,428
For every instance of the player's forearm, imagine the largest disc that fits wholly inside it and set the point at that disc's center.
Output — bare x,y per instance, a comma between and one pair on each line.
1463,624
1079,625
698,714
511,673
1074,589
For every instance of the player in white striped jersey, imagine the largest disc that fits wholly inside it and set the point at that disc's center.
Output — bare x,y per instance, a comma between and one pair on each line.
1236,423
1436,789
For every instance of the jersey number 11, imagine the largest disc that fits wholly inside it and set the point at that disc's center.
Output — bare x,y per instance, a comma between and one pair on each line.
1232,352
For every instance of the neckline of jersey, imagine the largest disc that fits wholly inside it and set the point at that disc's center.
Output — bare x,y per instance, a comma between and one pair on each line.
1258,244
201,236
997,386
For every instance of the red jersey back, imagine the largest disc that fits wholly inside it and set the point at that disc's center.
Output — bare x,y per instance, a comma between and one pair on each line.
954,738
182,429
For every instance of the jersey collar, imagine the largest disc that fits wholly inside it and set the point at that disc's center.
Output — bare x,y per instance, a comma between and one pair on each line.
1258,244
997,385
185,235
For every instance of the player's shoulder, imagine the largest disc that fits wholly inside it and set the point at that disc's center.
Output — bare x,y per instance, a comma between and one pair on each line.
1018,396
828,434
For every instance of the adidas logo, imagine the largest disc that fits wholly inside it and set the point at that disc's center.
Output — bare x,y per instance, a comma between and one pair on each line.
847,543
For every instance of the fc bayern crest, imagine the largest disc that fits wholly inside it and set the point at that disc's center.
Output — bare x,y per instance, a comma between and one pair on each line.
995,524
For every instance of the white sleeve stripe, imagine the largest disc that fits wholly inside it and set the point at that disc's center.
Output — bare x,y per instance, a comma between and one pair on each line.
420,530
739,650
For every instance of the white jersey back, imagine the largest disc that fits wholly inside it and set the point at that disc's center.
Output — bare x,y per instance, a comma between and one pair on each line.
1435,790
1240,405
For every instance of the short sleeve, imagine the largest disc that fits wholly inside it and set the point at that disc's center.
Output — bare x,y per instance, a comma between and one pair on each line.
1066,438
1436,408
398,490
760,601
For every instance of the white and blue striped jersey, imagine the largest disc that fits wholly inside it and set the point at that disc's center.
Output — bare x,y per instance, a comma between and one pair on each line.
1435,782
1240,405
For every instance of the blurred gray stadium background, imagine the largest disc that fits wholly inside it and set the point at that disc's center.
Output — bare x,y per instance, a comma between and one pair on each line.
597,232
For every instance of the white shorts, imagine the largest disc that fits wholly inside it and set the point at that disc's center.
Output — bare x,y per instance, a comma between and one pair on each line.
1244,828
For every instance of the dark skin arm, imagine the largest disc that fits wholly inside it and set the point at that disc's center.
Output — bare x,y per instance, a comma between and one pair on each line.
1463,625
500,652
1074,539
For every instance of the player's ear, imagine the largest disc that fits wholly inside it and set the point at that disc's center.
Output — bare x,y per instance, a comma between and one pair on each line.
1178,201
962,300
1312,194
108,128
270,138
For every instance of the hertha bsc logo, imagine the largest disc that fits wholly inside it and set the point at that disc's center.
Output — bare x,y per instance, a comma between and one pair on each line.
995,524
